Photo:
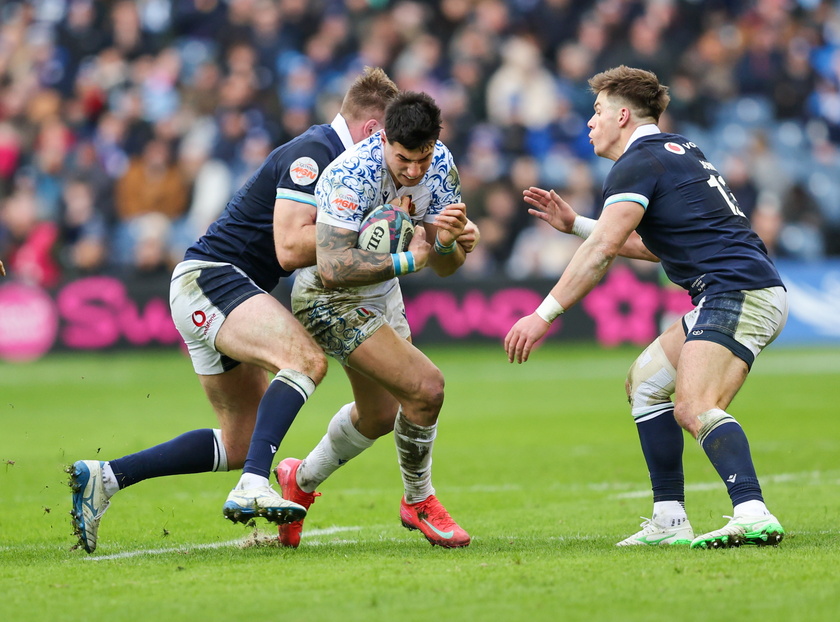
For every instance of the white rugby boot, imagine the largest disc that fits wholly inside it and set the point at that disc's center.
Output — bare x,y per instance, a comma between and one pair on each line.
654,533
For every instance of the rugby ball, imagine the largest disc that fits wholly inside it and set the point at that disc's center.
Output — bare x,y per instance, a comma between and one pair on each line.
385,229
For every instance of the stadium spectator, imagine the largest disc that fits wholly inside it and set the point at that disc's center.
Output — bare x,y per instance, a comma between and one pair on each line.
664,202
27,239
236,331
152,184
83,230
801,236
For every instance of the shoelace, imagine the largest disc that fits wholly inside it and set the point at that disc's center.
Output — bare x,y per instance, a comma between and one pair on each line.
436,514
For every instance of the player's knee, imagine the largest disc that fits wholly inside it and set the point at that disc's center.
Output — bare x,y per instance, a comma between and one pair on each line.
651,379
429,390
313,363
700,424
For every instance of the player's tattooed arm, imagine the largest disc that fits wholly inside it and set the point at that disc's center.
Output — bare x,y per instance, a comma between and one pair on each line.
341,264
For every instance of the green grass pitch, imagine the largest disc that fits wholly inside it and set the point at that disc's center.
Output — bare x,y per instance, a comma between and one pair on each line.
539,462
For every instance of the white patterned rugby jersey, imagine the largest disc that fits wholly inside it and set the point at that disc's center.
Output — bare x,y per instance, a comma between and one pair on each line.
358,181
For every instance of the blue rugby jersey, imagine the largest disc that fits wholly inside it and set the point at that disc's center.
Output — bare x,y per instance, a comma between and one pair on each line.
244,234
692,221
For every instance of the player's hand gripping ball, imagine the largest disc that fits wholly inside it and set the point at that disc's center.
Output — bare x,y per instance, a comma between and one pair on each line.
386,229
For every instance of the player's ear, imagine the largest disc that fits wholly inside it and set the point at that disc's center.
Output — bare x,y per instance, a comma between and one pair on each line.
623,116
371,126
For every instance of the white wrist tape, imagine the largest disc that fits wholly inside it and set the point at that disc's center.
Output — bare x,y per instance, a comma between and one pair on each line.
583,226
549,309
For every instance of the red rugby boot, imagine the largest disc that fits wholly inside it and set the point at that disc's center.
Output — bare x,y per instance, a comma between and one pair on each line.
432,519
286,473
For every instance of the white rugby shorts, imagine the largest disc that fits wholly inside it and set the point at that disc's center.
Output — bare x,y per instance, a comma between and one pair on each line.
201,296
341,319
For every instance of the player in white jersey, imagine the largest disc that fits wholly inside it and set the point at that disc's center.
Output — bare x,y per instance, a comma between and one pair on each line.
353,306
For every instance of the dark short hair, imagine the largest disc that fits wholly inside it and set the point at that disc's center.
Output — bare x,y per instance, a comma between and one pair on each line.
638,88
413,120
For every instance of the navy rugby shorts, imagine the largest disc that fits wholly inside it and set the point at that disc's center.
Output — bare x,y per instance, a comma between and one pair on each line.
744,322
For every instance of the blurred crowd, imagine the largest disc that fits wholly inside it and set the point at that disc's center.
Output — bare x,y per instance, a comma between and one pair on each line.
126,125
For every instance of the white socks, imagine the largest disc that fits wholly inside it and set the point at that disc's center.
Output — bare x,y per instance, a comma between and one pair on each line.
414,452
751,508
109,480
251,480
343,442
340,444
669,513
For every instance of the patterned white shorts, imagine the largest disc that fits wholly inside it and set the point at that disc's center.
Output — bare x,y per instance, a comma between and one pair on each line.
341,319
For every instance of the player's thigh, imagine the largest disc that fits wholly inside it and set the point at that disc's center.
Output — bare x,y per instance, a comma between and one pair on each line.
708,376
399,367
235,396
263,332
225,318
376,408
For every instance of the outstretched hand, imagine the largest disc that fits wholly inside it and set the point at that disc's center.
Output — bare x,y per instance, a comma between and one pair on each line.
550,207
523,336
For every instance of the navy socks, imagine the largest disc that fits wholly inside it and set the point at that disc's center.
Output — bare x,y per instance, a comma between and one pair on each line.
729,452
192,452
278,408
662,445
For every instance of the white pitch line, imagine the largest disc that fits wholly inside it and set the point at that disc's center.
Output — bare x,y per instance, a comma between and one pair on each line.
802,478
209,545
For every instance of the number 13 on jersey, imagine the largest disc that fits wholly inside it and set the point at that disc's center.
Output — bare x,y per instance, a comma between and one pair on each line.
716,181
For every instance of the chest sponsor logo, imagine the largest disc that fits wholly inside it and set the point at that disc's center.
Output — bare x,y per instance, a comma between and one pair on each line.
675,148
304,171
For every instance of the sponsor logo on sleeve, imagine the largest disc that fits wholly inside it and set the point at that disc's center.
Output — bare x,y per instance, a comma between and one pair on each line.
344,200
675,148
304,171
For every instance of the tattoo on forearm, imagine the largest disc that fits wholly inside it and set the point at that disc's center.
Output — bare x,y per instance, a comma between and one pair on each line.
341,264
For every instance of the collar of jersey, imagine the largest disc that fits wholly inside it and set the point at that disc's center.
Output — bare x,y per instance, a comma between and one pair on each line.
339,124
643,130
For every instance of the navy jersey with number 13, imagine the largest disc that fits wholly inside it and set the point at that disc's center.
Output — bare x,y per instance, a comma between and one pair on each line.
692,221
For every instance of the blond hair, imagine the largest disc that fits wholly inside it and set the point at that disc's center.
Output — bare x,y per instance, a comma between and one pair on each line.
368,96
637,88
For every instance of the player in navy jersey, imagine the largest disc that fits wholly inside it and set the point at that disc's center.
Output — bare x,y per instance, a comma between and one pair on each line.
236,331
664,201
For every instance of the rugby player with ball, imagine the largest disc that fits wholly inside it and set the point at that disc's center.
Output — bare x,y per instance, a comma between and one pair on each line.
352,305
